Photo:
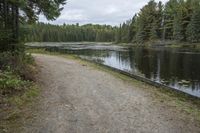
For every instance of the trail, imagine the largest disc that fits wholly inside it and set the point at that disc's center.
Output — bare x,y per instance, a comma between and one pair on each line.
77,98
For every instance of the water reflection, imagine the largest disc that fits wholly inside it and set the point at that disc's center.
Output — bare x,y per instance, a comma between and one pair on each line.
177,68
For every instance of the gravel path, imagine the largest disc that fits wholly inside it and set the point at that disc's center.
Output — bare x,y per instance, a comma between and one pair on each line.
77,98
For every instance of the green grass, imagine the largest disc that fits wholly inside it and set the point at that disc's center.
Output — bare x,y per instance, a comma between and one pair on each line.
41,51
18,108
27,97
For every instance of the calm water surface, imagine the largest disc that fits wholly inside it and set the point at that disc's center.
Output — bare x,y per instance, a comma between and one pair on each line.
177,68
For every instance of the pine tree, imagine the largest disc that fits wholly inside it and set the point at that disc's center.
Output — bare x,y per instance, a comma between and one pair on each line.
178,28
154,31
132,29
159,19
193,29
168,18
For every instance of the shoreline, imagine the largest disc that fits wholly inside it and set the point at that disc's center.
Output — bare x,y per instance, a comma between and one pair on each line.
180,98
156,44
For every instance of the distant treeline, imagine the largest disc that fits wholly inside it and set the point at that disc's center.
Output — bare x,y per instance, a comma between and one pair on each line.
41,32
176,20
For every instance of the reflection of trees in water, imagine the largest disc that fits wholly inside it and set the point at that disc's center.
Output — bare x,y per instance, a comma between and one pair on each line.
124,58
166,65
143,60
181,66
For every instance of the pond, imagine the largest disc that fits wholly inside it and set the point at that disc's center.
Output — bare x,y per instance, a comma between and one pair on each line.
175,67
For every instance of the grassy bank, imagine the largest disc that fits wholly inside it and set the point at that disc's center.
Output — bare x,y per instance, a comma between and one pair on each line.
181,102
18,90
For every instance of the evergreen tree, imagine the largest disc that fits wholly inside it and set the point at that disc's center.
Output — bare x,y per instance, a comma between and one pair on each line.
193,29
159,19
168,15
132,29
154,31
176,20
178,28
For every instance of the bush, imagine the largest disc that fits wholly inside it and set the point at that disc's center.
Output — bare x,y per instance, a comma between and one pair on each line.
19,63
11,83
16,70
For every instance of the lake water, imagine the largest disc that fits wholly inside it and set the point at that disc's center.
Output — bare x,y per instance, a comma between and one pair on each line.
177,68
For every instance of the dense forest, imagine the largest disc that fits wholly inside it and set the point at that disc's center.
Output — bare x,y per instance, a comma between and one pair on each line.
41,32
177,20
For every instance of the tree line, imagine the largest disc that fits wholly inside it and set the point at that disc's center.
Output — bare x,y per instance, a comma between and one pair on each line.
41,32
176,20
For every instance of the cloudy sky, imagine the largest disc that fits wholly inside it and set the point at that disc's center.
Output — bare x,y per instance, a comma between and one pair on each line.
110,12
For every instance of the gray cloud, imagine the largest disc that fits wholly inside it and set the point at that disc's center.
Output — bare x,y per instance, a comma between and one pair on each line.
110,12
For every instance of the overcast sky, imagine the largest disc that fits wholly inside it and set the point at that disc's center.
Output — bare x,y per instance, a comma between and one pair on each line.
110,12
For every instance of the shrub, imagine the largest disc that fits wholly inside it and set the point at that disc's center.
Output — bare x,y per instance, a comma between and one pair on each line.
11,83
19,63
16,70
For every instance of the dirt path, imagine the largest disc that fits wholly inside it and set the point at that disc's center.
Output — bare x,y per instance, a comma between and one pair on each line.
80,99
